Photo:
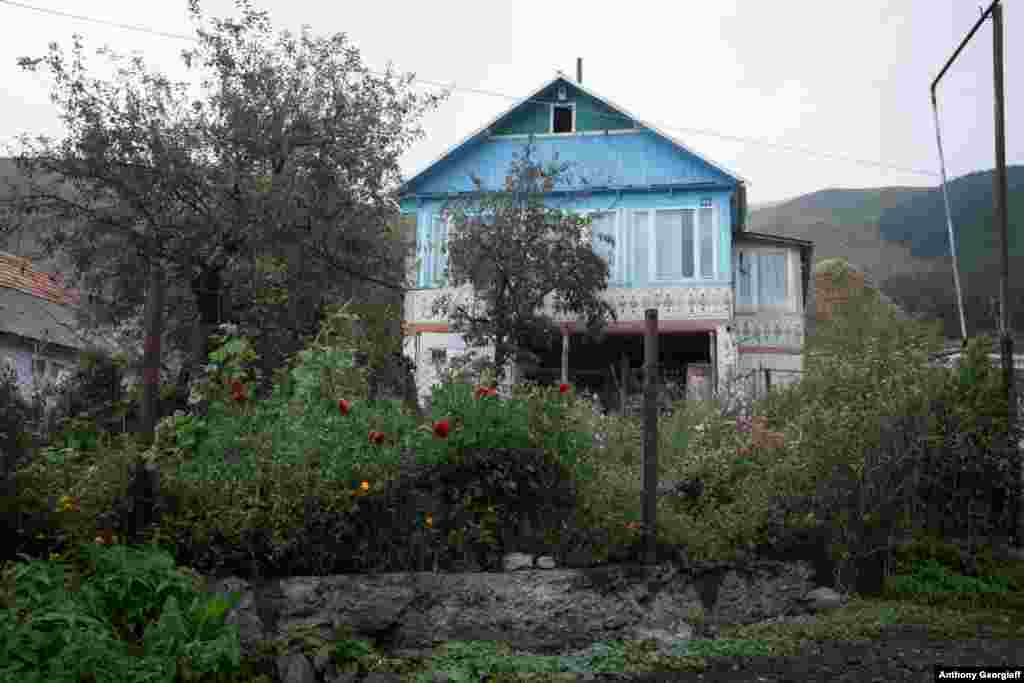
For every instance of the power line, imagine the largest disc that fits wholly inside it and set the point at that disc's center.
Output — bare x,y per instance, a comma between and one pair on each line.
490,93
79,17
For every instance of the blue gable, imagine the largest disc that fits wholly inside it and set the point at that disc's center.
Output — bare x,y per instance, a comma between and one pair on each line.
625,160
609,148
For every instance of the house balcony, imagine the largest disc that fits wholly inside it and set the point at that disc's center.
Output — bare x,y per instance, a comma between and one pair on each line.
680,308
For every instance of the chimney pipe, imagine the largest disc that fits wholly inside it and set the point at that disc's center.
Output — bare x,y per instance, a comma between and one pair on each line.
579,70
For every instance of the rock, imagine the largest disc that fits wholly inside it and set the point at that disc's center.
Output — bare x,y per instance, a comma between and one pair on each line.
823,599
546,562
295,668
543,611
350,677
515,561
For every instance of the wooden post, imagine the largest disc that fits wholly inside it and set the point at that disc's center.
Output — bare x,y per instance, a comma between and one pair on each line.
1002,221
713,354
565,356
767,381
624,387
649,443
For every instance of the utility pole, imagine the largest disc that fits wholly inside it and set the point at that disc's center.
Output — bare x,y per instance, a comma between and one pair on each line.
1006,339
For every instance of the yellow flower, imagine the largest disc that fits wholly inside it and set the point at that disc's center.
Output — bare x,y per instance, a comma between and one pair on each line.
430,520
365,486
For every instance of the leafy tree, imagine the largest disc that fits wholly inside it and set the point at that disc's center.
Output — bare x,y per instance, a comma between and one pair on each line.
515,253
265,184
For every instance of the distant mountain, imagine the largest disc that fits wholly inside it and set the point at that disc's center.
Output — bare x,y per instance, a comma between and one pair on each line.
898,237
846,224
922,223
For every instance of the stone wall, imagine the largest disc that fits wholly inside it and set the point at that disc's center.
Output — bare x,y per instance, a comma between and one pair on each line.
532,606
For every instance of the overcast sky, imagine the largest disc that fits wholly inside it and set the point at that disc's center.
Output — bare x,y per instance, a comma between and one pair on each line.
841,78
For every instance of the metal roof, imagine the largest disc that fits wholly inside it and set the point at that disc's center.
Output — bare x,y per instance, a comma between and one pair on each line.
480,132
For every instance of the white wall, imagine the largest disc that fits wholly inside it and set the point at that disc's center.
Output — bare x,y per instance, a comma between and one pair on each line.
420,349
19,354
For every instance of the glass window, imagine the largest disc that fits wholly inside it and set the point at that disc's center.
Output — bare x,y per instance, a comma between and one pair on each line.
640,254
668,235
707,251
439,249
687,242
772,279
675,243
604,224
744,275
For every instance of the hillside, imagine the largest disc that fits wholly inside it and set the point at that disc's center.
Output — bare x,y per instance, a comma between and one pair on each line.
897,236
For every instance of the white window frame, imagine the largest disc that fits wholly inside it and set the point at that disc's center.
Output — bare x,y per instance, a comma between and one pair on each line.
619,275
652,243
551,118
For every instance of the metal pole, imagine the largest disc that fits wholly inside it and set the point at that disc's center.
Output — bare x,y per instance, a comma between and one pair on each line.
949,221
649,454
1002,221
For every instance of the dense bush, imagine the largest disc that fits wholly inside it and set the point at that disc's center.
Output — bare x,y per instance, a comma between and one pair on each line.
15,417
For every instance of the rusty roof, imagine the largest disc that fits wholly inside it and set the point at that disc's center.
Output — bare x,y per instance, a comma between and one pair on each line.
17,273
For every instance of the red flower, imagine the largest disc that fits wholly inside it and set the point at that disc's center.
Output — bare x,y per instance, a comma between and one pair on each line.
376,437
485,391
563,387
441,428
343,406
237,390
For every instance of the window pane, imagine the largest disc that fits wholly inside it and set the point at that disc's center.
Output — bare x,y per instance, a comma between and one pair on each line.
744,269
688,246
772,279
604,224
438,247
640,253
707,237
668,235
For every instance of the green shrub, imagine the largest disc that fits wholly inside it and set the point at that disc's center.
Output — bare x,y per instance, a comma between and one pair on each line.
129,616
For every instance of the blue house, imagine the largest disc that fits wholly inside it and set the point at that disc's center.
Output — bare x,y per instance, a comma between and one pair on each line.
729,301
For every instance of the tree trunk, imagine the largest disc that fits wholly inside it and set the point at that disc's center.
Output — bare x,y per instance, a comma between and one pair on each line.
151,351
206,288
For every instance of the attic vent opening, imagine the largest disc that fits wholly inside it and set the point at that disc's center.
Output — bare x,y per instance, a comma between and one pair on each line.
561,120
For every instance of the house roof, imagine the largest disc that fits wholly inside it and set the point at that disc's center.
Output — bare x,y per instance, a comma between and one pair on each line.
482,132
17,273
38,319
34,305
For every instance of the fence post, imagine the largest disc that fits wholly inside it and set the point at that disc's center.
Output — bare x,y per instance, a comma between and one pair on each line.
649,453
565,356
767,381
624,387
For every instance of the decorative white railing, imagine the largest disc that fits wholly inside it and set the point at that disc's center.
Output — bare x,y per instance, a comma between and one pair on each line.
673,303
770,330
